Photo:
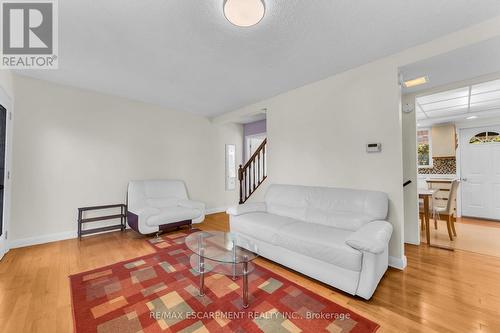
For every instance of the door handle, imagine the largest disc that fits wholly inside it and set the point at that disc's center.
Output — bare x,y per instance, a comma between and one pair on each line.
464,179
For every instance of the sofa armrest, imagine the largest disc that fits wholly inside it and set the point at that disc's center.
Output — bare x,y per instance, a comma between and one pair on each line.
373,237
192,204
247,208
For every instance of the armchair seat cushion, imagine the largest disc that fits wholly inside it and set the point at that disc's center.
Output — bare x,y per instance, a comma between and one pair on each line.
321,242
172,214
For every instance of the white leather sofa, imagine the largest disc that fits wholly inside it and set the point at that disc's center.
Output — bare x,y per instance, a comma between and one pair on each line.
337,236
156,205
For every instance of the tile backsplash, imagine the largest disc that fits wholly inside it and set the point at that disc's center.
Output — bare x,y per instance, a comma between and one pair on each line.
441,165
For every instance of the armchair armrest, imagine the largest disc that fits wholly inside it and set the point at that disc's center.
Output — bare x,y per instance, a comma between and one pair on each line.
372,237
192,204
247,208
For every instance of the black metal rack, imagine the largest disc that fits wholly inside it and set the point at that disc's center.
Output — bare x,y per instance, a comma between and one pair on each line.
122,216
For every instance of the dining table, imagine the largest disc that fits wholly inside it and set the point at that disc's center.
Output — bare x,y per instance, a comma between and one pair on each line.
426,196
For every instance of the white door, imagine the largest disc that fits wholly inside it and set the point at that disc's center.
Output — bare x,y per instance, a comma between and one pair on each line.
480,172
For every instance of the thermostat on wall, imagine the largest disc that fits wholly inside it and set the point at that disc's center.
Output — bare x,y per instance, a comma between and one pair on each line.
373,147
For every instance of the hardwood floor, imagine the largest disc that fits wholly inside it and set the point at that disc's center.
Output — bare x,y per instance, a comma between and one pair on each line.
440,291
477,221
475,235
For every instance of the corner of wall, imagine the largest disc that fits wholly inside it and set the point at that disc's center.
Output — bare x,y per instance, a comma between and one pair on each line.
398,263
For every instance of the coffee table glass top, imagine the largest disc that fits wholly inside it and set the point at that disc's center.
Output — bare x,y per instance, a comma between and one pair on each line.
224,247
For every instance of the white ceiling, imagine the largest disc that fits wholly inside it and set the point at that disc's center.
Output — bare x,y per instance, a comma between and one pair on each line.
184,55
458,65
475,100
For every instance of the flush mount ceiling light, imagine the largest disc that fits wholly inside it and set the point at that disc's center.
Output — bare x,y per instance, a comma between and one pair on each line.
244,13
416,82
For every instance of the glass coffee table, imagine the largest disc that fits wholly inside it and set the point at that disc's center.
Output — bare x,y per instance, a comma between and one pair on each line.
223,253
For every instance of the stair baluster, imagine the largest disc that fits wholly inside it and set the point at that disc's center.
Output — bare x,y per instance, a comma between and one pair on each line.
250,179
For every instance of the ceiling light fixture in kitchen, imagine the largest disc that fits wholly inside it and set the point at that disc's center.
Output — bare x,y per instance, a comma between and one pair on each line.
416,82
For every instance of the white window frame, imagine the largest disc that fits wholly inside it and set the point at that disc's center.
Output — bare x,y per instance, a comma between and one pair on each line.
429,135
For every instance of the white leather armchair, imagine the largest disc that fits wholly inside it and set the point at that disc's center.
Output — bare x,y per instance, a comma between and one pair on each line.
156,205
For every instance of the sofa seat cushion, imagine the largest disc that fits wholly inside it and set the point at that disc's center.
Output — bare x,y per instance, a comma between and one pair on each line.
172,214
261,226
321,242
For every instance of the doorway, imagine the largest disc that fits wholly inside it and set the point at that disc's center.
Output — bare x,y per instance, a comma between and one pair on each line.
480,172
451,149
252,143
5,153
3,127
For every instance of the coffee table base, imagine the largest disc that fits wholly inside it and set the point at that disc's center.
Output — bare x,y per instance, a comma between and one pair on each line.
224,253
201,289
245,285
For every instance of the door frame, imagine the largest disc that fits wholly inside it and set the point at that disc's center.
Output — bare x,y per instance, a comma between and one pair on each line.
247,143
460,131
7,102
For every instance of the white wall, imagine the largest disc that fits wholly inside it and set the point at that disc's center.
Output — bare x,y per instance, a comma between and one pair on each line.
411,224
6,82
317,136
74,148
316,133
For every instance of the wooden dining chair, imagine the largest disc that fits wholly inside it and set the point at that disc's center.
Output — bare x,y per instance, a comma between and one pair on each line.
421,211
448,213
421,214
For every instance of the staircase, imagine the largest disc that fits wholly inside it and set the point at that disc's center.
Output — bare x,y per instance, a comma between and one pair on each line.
253,173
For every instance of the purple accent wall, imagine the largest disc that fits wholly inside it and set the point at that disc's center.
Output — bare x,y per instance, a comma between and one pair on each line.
256,127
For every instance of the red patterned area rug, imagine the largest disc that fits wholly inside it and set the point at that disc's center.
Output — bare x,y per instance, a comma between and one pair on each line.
159,293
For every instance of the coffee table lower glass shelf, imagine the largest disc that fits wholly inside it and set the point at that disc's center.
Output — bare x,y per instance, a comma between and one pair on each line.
223,253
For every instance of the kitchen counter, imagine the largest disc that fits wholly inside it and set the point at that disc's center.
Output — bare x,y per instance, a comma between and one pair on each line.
424,179
439,180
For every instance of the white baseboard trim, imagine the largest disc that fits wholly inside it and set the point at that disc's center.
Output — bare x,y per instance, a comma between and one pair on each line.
4,252
399,263
42,239
16,243
215,210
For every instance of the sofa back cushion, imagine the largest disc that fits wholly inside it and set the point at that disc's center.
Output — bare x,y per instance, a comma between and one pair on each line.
162,202
336,207
287,200
155,193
